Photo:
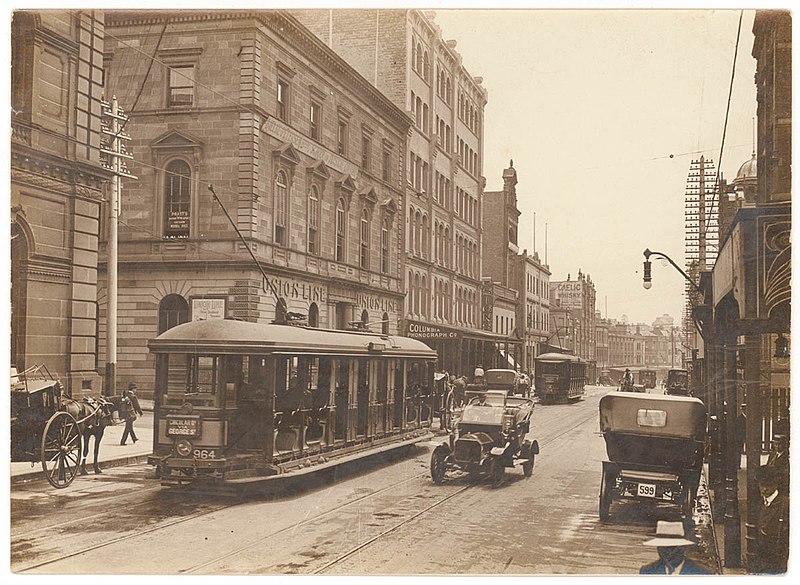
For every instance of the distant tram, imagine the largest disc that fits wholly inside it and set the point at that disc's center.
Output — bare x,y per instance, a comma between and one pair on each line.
238,402
559,377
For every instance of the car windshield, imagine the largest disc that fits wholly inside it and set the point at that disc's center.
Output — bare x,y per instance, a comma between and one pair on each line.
500,377
479,411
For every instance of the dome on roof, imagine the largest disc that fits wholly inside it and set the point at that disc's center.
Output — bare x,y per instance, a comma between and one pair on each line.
748,169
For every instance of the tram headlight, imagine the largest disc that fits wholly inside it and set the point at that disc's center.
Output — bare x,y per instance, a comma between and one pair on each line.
183,448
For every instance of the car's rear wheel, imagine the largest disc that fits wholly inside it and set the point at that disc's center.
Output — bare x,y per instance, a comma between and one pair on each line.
496,472
438,466
605,496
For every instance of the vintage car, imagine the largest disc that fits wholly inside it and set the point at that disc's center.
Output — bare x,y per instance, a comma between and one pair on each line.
488,438
510,381
678,382
654,445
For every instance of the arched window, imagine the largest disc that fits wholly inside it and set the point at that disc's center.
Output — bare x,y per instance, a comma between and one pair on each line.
341,226
385,247
426,66
418,60
426,236
172,310
177,199
385,324
424,306
313,220
313,315
281,208
415,308
364,240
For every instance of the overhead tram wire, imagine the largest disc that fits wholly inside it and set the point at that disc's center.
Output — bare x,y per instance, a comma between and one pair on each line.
716,194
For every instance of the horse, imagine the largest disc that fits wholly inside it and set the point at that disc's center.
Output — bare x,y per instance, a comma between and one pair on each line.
93,416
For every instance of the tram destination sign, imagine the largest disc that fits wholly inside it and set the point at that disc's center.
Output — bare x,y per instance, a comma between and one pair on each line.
183,426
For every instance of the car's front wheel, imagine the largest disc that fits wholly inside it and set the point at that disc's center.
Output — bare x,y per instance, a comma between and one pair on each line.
438,466
526,452
496,472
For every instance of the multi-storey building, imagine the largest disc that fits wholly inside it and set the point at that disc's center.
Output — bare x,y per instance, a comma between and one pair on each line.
517,270
602,327
403,54
579,297
57,185
533,306
305,154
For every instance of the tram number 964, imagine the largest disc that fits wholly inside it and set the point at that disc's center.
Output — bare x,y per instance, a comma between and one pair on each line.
204,454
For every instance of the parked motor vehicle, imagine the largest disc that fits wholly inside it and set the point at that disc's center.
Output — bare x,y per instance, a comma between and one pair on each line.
655,446
678,382
489,437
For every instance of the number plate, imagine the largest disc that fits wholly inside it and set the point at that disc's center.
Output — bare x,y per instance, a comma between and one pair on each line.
646,490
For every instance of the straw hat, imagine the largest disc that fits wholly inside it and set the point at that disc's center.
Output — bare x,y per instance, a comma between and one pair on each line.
669,534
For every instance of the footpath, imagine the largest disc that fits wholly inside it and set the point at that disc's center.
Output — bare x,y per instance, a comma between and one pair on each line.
112,454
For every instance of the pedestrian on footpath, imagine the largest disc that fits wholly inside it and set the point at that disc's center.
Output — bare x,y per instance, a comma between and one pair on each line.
778,460
772,540
671,543
128,409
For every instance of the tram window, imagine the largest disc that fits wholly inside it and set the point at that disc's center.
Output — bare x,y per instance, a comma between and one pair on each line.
289,391
205,373
254,378
320,382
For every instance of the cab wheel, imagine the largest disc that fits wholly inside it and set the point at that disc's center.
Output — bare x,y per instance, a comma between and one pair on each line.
496,472
438,466
605,497
447,412
526,453
687,505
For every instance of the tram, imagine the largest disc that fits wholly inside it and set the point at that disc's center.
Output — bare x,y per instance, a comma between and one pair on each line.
559,377
236,403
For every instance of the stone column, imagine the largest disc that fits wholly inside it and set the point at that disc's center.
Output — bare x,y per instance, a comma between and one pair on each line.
753,438
731,458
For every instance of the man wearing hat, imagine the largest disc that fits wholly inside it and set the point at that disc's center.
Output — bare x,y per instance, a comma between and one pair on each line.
778,460
128,409
671,544
772,540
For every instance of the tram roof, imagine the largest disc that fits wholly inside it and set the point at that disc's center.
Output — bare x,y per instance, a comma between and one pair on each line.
226,336
558,357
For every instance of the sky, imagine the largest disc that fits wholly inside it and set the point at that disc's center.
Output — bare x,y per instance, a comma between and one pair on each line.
602,112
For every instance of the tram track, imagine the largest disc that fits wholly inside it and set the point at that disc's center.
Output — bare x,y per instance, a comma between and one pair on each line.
254,544
447,498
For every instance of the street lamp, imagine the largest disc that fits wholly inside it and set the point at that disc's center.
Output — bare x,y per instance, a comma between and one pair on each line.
647,280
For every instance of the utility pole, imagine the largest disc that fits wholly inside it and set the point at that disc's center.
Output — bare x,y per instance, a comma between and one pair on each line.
113,156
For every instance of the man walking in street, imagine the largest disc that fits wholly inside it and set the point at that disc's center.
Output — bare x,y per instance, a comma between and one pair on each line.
128,409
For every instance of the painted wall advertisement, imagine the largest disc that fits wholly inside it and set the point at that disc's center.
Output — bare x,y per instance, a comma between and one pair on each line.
570,294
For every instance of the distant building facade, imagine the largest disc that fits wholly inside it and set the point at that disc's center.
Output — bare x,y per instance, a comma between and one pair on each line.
579,297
